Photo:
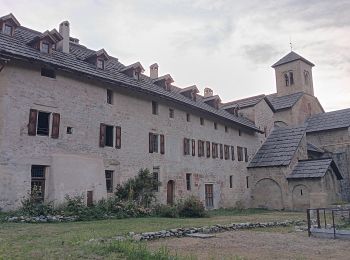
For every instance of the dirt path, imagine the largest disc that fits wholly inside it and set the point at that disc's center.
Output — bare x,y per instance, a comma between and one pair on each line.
257,245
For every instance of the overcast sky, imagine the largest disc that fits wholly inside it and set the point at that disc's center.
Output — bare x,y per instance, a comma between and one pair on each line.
226,45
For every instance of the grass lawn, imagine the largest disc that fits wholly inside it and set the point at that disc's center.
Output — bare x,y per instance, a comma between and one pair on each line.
69,240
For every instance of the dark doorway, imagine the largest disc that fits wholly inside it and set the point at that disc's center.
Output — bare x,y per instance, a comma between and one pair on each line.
89,198
209,196
170,192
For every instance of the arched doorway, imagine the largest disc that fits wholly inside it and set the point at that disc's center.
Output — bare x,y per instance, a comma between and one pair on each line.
267,193
170,192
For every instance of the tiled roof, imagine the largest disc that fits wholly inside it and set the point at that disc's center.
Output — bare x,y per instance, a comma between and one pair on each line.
245,102
283,102
279,147
16,47
314,148
314,169
330,120
292,56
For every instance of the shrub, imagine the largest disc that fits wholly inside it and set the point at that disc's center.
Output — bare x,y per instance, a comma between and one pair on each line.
191,207
33,206
166,211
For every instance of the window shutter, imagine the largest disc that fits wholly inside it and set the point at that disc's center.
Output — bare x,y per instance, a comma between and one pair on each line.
232,153
199,148
162,144
33,115
213,150
102,135
246,154
221,152
150,138
55,125
118,137
194,147
208,149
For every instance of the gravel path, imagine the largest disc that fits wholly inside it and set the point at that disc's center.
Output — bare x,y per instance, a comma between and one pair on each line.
257,245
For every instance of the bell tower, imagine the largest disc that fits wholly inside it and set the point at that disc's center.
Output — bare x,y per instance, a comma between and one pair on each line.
293,74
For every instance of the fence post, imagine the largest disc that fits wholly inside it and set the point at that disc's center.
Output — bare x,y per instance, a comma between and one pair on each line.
333,224
324,215
308,222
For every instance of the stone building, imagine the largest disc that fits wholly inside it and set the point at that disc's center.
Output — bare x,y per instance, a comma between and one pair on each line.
77,121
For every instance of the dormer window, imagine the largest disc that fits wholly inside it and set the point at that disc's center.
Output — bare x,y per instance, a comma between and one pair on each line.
164,82
45,47
134,70
8,29
100,64
45,41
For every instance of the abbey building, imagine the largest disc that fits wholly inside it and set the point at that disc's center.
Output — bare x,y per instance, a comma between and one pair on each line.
77,121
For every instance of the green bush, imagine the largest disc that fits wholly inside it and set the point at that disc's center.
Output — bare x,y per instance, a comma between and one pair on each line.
166,211
32,206
191,207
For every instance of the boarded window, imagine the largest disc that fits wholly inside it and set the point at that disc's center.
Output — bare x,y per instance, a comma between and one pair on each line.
246,159
186,146
118,137
240,153
38,182
194,147
109,181
188,181
209,195
227,152
232,153
109,96
221,152
154,108
43,125
231,181
55,125
162,144
208,149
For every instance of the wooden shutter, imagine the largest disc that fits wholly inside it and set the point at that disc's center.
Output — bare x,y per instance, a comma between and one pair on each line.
55,132
150,141
208,149
118,137
221,152
232,153
102,135
199,148
33,116
246,154
194,147
213,150
162,144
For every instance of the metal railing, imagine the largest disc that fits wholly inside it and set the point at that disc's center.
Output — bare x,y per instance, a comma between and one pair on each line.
324,212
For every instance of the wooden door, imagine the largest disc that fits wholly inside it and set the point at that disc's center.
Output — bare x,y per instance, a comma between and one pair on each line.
170,192
209,196
89,198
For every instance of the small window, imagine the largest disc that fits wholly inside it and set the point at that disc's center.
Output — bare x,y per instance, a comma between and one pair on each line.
306,77
246,158
8,29
100,64
200,148
240,153
226,129
202,120
38,182
69,130
215,126
156,177
232,153
50,73
109,96
239,132
45,47
109,181
291,78
188,117
155,143
221,152
43,125
286,79
154,108
109,136
247,181
231,181
171,113
188,181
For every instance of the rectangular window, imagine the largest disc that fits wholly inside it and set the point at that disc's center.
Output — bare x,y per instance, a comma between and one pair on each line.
227,152
109,96
69,130
43,126
221,152
247,181
231,181
200,148
45,47
109,136
188,117
156,177
209,196
214,150
154,108
194,147
49,73
201,120
208,149
38,182
186,146
89,198
171,113
239,132
240,153
226,129
215,126
246,159
109,181
8,29
188,181
232,153
100,64
154,143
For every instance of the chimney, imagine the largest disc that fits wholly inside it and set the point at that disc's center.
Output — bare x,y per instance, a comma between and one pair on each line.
153,71
208,92
64,31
